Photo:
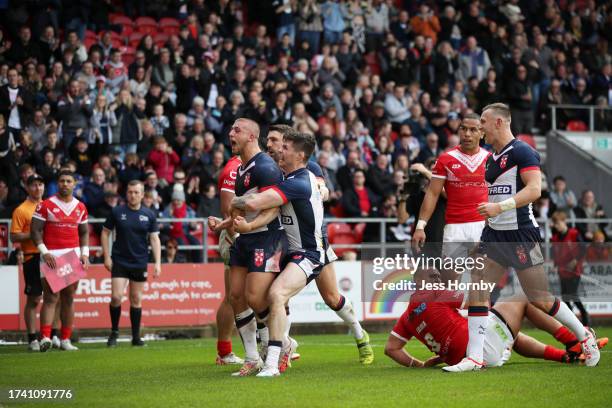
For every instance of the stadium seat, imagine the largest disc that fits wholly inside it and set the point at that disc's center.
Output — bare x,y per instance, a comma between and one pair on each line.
120,19
128,55
146,25
134,39
4,235
337,211
160,39
577,126
358,230
89,41
338,228
91,34
527,139
169,25
343,239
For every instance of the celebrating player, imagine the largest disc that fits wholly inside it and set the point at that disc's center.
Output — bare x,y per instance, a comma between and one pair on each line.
432,318
326,280
461,172
20,232
302,217
135,227
59,225
512,238
259,248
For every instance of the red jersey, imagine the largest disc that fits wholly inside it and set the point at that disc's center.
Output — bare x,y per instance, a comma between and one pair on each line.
432,318
566,248
227,178
465,183
62,220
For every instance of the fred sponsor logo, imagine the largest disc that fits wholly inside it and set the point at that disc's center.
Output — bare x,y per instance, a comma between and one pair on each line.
501,189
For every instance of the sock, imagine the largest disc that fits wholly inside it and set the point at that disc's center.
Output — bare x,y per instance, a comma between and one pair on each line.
262,329
45,330
274,349
115,315
344,310
566,337
224,347
54,332
553,354
247,328
566,317
135,315
66,333
31,337
478,317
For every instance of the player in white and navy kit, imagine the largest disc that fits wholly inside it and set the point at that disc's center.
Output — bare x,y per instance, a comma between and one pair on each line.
302,216
326,280
512,238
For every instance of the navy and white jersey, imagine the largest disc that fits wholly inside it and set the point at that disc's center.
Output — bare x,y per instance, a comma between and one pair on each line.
257,175
315,169
302,212
503,176
130,248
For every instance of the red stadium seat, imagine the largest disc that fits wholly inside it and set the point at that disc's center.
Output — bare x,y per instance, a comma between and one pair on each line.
120,19
344,239
91,34
146,25
169,26
527,139
134,39
4,235
128,55
338,228
358,230
89,41
160,39
577,126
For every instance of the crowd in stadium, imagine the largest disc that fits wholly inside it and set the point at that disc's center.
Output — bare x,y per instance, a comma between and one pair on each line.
117,91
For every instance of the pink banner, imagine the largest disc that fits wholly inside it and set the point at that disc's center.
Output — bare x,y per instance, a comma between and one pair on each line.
68,269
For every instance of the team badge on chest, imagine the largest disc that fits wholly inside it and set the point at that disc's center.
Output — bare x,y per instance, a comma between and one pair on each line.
247,179
503,162
259,257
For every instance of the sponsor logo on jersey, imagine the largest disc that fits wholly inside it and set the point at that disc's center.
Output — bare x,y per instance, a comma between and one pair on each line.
456,166
503,162
143,218
123,217
56,210
258,257
286,220
232,174
500,190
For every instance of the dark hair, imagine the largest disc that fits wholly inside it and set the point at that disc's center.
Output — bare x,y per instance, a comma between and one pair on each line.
65,173
558,178
471,116
302,142
135,183
282,129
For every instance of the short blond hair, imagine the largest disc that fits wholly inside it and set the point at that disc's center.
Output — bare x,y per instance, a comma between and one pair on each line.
499,109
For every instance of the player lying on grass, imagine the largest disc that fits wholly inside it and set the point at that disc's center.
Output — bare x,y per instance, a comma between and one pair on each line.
432,317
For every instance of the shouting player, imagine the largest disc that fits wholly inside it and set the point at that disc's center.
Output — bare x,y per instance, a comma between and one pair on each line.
302,217
512,238
461,173
59,225
135,227
255,255
432,317
326,280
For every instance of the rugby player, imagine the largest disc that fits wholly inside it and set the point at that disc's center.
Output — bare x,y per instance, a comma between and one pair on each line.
326,280
59,225
302,217
432,317
512,238
461,173
20,232
135,227
255,255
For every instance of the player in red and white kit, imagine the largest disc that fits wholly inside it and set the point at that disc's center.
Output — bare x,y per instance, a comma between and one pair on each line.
225,313
59,225
433,319
461,172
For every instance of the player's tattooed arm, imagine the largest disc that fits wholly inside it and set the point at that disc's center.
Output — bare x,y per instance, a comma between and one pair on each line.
264,218
260,201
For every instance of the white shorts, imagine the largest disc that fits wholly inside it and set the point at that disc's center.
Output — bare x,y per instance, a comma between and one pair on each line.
459,239
330,255
225,242
59,252
498,342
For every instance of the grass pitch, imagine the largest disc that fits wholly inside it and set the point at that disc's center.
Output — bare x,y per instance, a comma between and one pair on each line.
182,373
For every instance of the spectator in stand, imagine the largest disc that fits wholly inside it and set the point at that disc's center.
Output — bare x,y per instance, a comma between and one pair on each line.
520,98
431,148
103,120
473,61
93,194
128,118
333,13
310,24
358,200
589,208
426,23
377,24
163,159
74,111
181,231
379,177
562,199
397,105
159,121
568,255
598,250
172,254
16,104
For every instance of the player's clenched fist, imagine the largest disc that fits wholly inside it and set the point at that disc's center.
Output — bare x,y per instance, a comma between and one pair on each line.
489,210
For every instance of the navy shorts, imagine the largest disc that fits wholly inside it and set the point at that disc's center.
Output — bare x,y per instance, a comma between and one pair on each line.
31,276
259,252
519,249
133,274
308,261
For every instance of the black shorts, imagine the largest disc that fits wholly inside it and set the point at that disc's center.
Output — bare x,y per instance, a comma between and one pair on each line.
519,249
259,252
309,261
133,274
31,276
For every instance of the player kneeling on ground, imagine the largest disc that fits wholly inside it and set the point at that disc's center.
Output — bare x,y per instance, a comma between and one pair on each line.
432,317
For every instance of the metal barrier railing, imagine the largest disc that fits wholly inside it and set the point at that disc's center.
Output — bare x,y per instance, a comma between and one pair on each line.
383,245
590,108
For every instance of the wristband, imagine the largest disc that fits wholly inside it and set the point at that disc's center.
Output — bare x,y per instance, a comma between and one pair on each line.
85,251
507,205
42,248
421,224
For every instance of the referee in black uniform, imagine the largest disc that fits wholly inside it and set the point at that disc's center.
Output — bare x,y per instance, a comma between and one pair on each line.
136,226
